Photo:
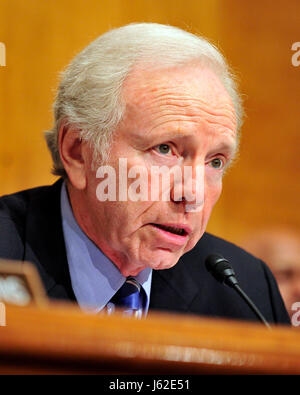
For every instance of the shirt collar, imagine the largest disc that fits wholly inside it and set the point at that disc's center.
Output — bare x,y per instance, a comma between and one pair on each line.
95,279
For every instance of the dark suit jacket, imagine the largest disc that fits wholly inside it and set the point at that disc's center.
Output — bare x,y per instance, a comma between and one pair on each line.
31,230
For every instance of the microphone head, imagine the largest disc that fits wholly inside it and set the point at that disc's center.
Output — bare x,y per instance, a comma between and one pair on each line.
221,270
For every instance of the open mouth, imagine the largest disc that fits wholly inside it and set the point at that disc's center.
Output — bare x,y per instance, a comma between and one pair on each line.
172,229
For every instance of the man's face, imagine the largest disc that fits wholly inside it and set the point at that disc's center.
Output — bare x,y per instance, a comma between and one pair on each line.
180,116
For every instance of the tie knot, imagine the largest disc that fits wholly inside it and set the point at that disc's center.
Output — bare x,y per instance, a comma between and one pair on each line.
129,296
130,286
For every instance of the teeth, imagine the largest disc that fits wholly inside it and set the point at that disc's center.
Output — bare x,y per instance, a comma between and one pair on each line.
171,229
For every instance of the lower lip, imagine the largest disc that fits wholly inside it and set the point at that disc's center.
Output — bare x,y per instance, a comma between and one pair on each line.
171,237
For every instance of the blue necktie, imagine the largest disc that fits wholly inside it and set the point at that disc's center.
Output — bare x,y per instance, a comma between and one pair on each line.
129,297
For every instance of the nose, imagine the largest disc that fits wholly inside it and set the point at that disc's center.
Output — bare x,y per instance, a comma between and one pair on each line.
190,188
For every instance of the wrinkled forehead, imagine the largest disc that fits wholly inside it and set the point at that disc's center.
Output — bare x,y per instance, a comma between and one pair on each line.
170,96
192,81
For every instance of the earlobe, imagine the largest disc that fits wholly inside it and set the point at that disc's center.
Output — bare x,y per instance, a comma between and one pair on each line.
70,148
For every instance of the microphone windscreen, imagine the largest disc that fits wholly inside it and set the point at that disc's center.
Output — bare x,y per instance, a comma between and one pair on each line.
219,267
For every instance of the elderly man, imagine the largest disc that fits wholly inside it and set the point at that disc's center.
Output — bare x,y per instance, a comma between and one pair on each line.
146,97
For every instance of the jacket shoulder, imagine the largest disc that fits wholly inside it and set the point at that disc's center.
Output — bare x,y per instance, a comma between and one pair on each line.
210,244
253,275
14,206
13,216
249,269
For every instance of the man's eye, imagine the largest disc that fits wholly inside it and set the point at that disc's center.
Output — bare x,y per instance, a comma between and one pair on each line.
163,149
217,163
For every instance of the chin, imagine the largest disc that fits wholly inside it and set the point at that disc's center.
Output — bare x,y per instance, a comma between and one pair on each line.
163,263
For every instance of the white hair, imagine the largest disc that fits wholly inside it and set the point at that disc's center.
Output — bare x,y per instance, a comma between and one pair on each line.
89,94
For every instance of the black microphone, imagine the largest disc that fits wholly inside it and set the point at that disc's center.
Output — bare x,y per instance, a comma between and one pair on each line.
223,272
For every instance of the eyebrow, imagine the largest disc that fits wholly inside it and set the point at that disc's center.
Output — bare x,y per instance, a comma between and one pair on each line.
230,148
234,155
223,146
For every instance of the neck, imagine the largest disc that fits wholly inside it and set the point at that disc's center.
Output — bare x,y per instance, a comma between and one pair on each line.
83,218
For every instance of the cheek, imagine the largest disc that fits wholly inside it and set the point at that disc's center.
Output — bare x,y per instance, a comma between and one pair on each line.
212,194
213,191
216,194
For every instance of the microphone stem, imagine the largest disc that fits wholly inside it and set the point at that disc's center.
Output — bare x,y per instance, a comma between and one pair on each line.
251,305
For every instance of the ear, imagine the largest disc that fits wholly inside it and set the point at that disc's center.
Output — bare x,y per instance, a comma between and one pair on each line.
71,153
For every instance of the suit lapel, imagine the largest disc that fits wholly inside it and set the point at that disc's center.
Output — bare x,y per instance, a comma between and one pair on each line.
46,247
186,287
173,289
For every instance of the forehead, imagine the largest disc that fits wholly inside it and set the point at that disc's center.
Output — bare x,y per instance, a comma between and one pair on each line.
191,92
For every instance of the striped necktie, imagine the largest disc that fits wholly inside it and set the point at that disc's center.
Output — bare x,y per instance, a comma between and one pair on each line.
129,297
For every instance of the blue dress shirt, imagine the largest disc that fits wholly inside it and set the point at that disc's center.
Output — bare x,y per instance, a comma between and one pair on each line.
95,279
